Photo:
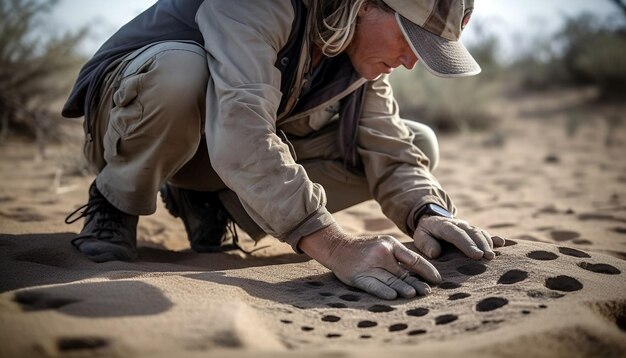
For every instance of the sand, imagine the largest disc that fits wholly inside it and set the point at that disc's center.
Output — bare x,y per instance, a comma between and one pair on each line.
557,289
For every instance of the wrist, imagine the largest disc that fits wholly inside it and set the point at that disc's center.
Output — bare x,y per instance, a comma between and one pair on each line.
322,244
430,210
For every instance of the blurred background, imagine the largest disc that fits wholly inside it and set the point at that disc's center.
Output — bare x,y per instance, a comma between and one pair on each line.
524,47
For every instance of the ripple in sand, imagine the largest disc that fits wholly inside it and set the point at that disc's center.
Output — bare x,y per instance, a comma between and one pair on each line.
472,269
563,283
563,235
81,343
398,327
491,303
418,312
600,268
513,276
542,255
380,308
458,296
367,324
446,318
573,252
331,318
449,285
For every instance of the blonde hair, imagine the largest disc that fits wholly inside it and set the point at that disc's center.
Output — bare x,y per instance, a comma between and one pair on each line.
334,22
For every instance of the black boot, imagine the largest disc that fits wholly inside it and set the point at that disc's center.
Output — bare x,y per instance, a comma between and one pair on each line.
108,234
205,219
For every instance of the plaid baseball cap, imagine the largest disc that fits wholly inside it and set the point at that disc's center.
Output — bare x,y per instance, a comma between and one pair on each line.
433,28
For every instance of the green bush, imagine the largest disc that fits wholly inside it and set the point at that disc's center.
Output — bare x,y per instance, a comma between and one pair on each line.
36,69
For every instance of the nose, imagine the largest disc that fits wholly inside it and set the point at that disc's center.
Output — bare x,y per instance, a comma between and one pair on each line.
408,59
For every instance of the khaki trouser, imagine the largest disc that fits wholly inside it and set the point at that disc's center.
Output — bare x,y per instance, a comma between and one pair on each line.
148,125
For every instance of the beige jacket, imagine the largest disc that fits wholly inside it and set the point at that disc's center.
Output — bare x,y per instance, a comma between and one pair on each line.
243,96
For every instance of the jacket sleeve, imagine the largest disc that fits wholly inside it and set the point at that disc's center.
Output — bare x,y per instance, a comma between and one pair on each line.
396,170
242,39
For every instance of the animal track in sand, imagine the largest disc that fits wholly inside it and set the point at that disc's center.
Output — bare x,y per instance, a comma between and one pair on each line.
350,297
366,324
563,283
491,303
472,269
458,296
449,285
418,312
564,235
38,301
542,255
572,252
600,268
513,276
380,308
398,327
445,319
81,343
331,318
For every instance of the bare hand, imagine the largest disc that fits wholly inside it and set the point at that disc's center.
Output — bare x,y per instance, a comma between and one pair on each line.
379,265
474,242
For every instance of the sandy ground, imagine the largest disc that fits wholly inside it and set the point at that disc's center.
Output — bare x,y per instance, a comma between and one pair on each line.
550,178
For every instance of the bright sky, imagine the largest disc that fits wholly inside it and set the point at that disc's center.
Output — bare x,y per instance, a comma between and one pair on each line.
506,17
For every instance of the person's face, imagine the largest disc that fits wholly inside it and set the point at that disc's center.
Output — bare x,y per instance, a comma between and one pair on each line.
378,45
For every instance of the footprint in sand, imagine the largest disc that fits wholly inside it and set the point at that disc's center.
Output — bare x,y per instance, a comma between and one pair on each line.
542,255
600,268
491,303
573,252
66,344
564,235
563,283
513,276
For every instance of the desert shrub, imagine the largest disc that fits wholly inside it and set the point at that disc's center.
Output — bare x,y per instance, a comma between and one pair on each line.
36,69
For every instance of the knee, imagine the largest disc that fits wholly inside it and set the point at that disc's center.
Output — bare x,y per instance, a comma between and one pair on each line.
426,140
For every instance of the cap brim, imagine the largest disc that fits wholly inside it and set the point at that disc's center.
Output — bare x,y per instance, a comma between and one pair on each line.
442,57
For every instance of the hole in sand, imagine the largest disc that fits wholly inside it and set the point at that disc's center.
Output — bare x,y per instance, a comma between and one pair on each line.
573,252
563,283
563,235
333,335
472,269
621,322
458,296
619,230
350,298
336,305
286,321
543,307
398,327
418,312
307,328
513,276
326,294
380,308
449,285
600,268
416,332
491,303
331,318
446,318
508,242
81,343
525,312
365,336
367,324
542,255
